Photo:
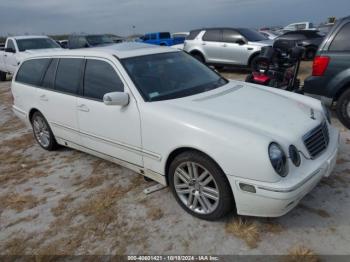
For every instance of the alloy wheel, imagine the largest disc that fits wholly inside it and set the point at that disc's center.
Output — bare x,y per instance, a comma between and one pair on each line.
196,188
41,131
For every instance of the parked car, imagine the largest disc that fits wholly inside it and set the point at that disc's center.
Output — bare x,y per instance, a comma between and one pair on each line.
180,35
309,39
330,78
2,46
299,26
268,34
225,46
219,150
19,47
63,43
161,38
86,41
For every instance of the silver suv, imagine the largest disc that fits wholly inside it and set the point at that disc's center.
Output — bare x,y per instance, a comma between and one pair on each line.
225,46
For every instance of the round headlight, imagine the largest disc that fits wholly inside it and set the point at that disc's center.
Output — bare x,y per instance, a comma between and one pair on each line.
327,113
278,159
294,155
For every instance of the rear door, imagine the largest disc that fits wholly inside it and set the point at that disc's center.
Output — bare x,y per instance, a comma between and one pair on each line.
232,51
212,45
111,130
10,57
58,97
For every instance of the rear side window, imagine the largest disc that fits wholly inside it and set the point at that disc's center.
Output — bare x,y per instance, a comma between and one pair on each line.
68,75
100,78
193,34
341,41
213,35
164,35
49,77
231,36
32,71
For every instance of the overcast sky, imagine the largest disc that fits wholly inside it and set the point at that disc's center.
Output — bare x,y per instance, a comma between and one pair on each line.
118,16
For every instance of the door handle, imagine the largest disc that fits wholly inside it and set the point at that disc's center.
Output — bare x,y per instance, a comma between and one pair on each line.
44,98
224,45
203,43
83,108
5,55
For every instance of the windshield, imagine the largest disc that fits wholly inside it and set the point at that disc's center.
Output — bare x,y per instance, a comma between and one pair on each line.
251,35
96,40
36,43
171,75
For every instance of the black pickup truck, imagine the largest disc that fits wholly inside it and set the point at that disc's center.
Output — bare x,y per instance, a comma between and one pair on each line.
330,78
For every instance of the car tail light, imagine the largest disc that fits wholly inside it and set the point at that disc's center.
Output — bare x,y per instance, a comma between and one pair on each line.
320,65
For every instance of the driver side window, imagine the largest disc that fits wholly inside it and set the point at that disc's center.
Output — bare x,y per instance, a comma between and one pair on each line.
100,78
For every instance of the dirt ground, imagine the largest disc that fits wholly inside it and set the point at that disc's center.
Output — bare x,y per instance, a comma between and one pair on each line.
68,202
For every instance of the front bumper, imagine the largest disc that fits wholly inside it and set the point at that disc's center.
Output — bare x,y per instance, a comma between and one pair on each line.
277,199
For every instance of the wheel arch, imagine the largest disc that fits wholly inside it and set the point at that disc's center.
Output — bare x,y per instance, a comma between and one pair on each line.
252,56
181,150
197,52
343,87
31,113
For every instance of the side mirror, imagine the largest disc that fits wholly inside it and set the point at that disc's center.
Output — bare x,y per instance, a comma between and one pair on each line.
240,42
10,50
116,99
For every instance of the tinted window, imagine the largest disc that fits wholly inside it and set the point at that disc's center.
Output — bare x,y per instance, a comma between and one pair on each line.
31,71
164,35
341,41
153,36
146,37
49,77
68,75
170,75
251,35
214,35
231,36
193,34
36,43
96,40
100,78
10,44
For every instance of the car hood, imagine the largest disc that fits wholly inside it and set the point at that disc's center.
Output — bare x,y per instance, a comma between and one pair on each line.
251,107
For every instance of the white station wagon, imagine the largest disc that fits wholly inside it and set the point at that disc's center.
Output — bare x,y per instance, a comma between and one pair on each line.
220,145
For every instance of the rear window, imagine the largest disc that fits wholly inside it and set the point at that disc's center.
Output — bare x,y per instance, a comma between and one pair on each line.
341,41
164,35
36,43
32,71
214,35
193,34
68,75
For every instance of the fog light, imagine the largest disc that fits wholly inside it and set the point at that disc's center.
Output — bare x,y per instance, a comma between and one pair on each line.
248,188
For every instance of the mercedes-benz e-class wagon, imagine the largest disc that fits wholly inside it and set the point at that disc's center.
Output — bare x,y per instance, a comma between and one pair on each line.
219,144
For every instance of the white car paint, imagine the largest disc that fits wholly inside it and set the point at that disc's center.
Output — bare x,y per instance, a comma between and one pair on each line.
9,62
233,124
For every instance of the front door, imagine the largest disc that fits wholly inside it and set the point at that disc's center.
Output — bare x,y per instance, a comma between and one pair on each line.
108,129
212,45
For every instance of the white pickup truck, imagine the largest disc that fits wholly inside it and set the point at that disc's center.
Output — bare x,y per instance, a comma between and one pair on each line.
19,47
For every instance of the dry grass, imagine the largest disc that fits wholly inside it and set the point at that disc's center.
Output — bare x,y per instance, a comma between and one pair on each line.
19,202
301,254
62,205
155,214
22,220
244,229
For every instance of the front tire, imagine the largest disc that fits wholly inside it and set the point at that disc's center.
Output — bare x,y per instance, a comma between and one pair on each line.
42,132
200,186
343,108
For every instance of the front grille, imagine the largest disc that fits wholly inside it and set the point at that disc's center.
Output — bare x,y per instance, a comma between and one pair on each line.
316,141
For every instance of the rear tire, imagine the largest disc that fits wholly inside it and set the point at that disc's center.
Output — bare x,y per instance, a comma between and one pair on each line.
199,57
2,76
42,132
199,186
343,108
